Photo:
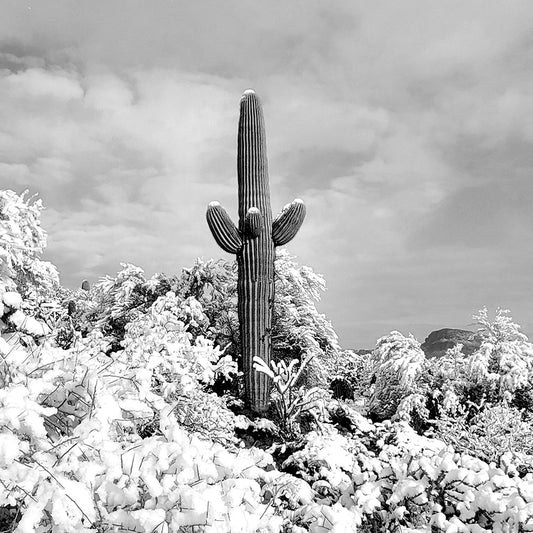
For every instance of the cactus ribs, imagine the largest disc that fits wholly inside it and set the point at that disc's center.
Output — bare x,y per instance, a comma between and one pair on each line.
253,243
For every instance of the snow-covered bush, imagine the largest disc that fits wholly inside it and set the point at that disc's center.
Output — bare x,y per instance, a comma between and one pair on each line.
298,328
22,241
27,284
114,302
504,361
494,431
214,285
354,368
71,458
397,362
385,477
159,341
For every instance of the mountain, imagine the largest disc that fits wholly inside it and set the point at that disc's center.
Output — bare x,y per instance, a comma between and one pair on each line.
437,342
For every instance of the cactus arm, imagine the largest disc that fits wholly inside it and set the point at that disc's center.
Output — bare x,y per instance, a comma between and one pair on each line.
288,222
223,229
253,222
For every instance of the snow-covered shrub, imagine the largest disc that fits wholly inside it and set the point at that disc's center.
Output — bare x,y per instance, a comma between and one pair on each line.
180,364
298,327
26,282
499,374
114,302
385,477
356,369
397,362
160,340
214,285
22,241
504,361
494,431
72,460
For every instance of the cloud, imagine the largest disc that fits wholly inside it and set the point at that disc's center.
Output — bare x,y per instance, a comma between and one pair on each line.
493,215
112,163
406,127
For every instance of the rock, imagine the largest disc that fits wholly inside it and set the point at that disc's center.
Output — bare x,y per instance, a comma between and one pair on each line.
437,342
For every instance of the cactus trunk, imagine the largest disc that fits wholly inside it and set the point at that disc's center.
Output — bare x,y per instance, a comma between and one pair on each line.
256,258
253,243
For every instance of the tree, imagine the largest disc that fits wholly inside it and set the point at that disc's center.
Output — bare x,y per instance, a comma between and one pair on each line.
298,329
22,241
397,362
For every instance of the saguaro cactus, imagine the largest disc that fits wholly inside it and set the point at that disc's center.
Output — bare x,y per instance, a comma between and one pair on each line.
253,243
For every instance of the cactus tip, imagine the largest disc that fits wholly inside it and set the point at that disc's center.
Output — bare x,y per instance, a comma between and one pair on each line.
298,201
246,94
214,204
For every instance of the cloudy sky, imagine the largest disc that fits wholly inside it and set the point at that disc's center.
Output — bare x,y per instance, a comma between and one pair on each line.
406,127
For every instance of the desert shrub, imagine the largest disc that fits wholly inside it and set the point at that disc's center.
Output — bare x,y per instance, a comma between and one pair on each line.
27,284
113,302
504,361
385,477
499,373
72,459
455,386
22,241
356,369
214,285
494,431
298,328
397,362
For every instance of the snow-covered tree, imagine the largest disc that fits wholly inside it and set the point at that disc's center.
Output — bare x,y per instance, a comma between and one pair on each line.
298,327
32,282
397,362
504,361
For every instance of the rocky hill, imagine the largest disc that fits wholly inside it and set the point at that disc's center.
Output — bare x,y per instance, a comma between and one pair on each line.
437,342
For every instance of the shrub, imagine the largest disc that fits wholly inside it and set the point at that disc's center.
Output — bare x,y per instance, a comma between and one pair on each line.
397,362
356,369
494,431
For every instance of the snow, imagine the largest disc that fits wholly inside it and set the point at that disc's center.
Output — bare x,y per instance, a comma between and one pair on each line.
10,448
29,324
150,520
12,299
136,407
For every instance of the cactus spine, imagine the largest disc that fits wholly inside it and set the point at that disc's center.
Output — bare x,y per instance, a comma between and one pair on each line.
253,243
